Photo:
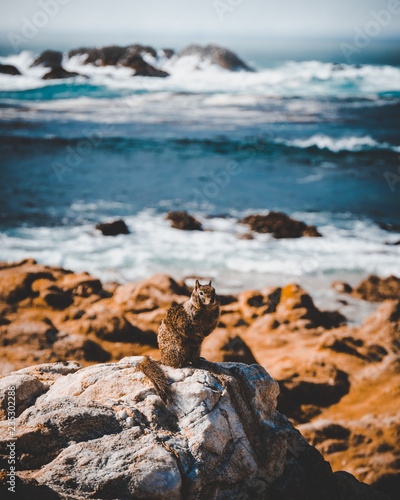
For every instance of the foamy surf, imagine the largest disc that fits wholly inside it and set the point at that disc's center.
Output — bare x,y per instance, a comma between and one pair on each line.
189,74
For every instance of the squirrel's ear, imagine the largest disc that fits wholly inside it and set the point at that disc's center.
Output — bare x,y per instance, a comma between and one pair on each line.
210,283
196,286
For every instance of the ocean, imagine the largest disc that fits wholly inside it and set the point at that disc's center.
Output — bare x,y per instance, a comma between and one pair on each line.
317,140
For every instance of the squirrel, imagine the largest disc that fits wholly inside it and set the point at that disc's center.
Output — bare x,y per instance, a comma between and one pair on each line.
181,334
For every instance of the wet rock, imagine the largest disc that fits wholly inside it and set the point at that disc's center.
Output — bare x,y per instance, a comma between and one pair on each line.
375,289
110,55
130,56
59,73
9,69
168,53
113,228
183,220
390,227
216,55
280,226
48,59
141,67
103,432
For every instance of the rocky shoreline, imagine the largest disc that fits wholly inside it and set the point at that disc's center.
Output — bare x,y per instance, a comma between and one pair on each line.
339,384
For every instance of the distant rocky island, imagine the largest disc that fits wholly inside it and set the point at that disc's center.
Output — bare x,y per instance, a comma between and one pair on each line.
143,60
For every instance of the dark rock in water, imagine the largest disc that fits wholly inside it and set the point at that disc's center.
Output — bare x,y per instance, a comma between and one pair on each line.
168,53
216,55
59,73
113,228
375,289
280,225
141,67
8,69
390,227
92,55
130,56
393,244
48,59
342,287
183,220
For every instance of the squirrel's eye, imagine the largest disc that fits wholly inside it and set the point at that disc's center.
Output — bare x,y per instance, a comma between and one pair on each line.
201,293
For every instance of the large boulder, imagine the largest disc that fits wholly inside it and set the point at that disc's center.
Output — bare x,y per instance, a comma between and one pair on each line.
182,220
131,56
113,228
280,225
103,432
9,69
48,59
216,55
59,73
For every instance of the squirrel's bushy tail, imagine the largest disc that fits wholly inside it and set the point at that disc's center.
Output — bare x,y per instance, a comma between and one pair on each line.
154,372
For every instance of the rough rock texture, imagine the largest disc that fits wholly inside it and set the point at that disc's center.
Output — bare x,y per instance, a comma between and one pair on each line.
113,228
9,69
48,59
183,220
279,225
216,55
102,432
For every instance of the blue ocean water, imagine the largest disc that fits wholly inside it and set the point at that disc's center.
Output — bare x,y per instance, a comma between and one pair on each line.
317,140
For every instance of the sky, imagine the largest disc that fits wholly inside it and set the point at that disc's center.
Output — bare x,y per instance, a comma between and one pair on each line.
177,22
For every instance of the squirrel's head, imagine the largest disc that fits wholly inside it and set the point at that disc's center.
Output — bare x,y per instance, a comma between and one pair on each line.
204,295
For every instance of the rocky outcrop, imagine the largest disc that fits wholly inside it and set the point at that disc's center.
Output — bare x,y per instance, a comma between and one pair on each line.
216,55
48,59
375,289
130,56
9,69
183,220
327,370
279,225
103,432
113,228
59,73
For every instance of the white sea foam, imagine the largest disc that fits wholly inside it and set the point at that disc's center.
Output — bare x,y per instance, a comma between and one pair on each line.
189,74
348,248
341,144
